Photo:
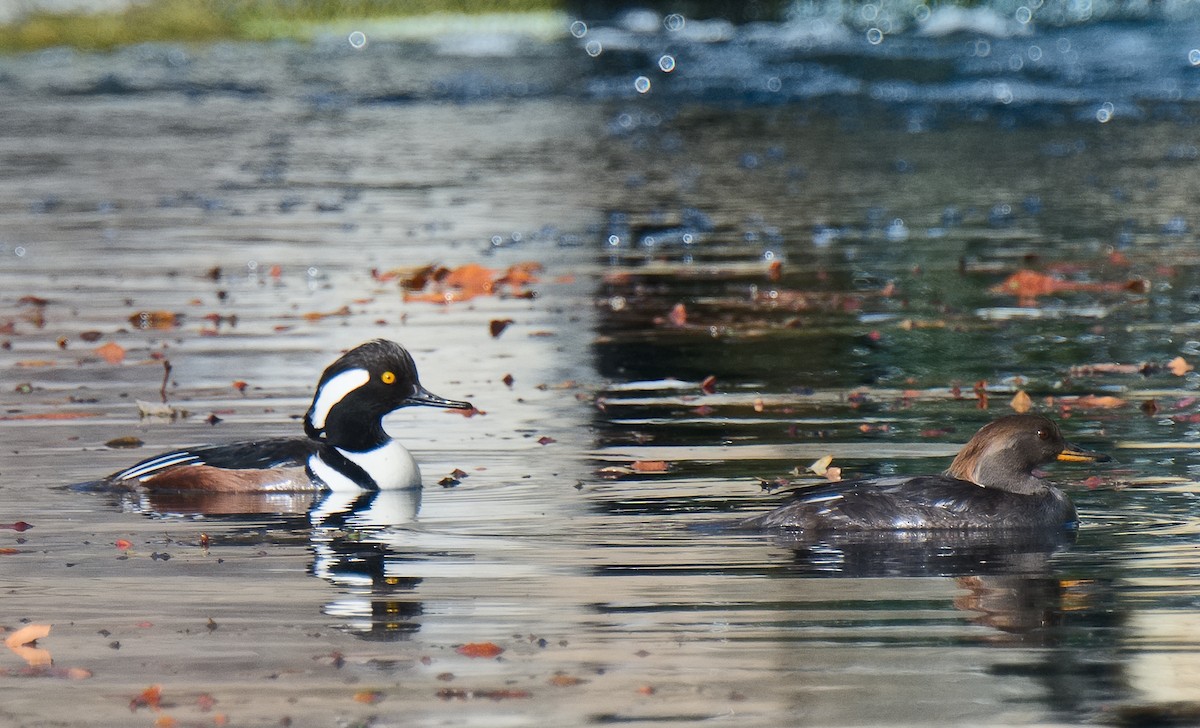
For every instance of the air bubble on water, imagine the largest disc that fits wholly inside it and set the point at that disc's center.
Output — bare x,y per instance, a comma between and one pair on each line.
774,85
666,64
358,39
983,49
869,12
1002,93
252,265
593,48
687,239
579,29
1024,15
641,84
614,240
1016,62
616,303
313,271
874,36
1194,56
921,13
19,251
674,22
1105,113
897,230
1035,53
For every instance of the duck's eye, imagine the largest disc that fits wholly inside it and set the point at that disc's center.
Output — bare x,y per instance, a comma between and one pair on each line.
390,378
1043,434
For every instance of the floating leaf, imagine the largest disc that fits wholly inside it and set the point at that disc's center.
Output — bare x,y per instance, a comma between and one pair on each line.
820,465
479,649
709,385
128,442
155,319
497,326
1179,366
148,698
561,680
369,697
546,440
1021,403
651,466
111,352
25,635
678,316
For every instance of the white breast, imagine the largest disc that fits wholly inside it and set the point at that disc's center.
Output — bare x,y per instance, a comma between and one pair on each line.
390,465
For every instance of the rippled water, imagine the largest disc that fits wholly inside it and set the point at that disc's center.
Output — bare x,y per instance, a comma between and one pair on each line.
304,174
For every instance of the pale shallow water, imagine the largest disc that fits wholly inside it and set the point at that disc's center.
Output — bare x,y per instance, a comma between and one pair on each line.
618,597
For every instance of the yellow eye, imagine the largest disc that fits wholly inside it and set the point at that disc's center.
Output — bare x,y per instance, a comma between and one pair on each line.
387,378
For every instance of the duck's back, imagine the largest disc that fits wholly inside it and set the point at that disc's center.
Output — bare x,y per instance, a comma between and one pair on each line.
934,502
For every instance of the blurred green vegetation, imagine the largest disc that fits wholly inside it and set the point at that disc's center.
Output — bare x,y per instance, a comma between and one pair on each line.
207,20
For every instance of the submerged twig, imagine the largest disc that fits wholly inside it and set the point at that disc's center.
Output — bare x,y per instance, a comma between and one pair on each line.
162,391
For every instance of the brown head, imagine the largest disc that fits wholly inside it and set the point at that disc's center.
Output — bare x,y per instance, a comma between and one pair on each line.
1004,453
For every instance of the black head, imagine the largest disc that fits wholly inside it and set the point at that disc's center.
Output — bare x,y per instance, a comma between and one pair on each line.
362,386
1004,453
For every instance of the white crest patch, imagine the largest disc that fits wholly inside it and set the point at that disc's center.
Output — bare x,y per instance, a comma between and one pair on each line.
334,391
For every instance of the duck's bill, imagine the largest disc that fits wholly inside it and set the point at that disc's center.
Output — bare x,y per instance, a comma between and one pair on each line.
1076,454
426,398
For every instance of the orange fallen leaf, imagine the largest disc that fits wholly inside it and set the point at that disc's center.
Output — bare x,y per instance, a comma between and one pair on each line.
678,316
709,385
369,697
1021,403
111,352
150,698
154,319
1179,366
35,363
49,415
775,270
317,315
565,681
820,465
1094,401
759,405
122,544
646,690
651,466
165,721
9,551
25,635
479,649
833,474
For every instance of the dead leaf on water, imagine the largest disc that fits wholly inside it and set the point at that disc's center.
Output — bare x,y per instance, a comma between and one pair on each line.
651,466
820,465
20,642
1179,366
479,649
155,319
111,352
1021,403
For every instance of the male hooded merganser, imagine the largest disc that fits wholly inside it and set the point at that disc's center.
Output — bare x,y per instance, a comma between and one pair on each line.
990,485
346,447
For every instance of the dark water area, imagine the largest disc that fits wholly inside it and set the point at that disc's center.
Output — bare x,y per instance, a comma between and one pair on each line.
790,240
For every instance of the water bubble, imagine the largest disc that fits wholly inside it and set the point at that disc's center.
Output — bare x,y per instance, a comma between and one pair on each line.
674,22
579,29
1105,113
1035,53
983,49
1002,93
358,39
313,271
869,12
252,265
921,13
19,251
497,241
666,64
614,240
1064,45
1024,15
1016,62
593,48
625,121
774,85
641,84
874,36
1194,56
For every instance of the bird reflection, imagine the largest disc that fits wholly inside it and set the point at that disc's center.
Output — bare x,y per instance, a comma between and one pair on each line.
1007,580
352,536
353,550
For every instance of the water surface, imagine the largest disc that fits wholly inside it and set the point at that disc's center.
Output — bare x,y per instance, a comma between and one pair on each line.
832,253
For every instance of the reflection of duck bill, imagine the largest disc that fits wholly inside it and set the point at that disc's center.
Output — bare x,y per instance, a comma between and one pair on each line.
379,508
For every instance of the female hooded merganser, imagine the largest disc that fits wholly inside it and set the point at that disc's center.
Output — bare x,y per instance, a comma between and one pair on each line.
990,485
346,447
